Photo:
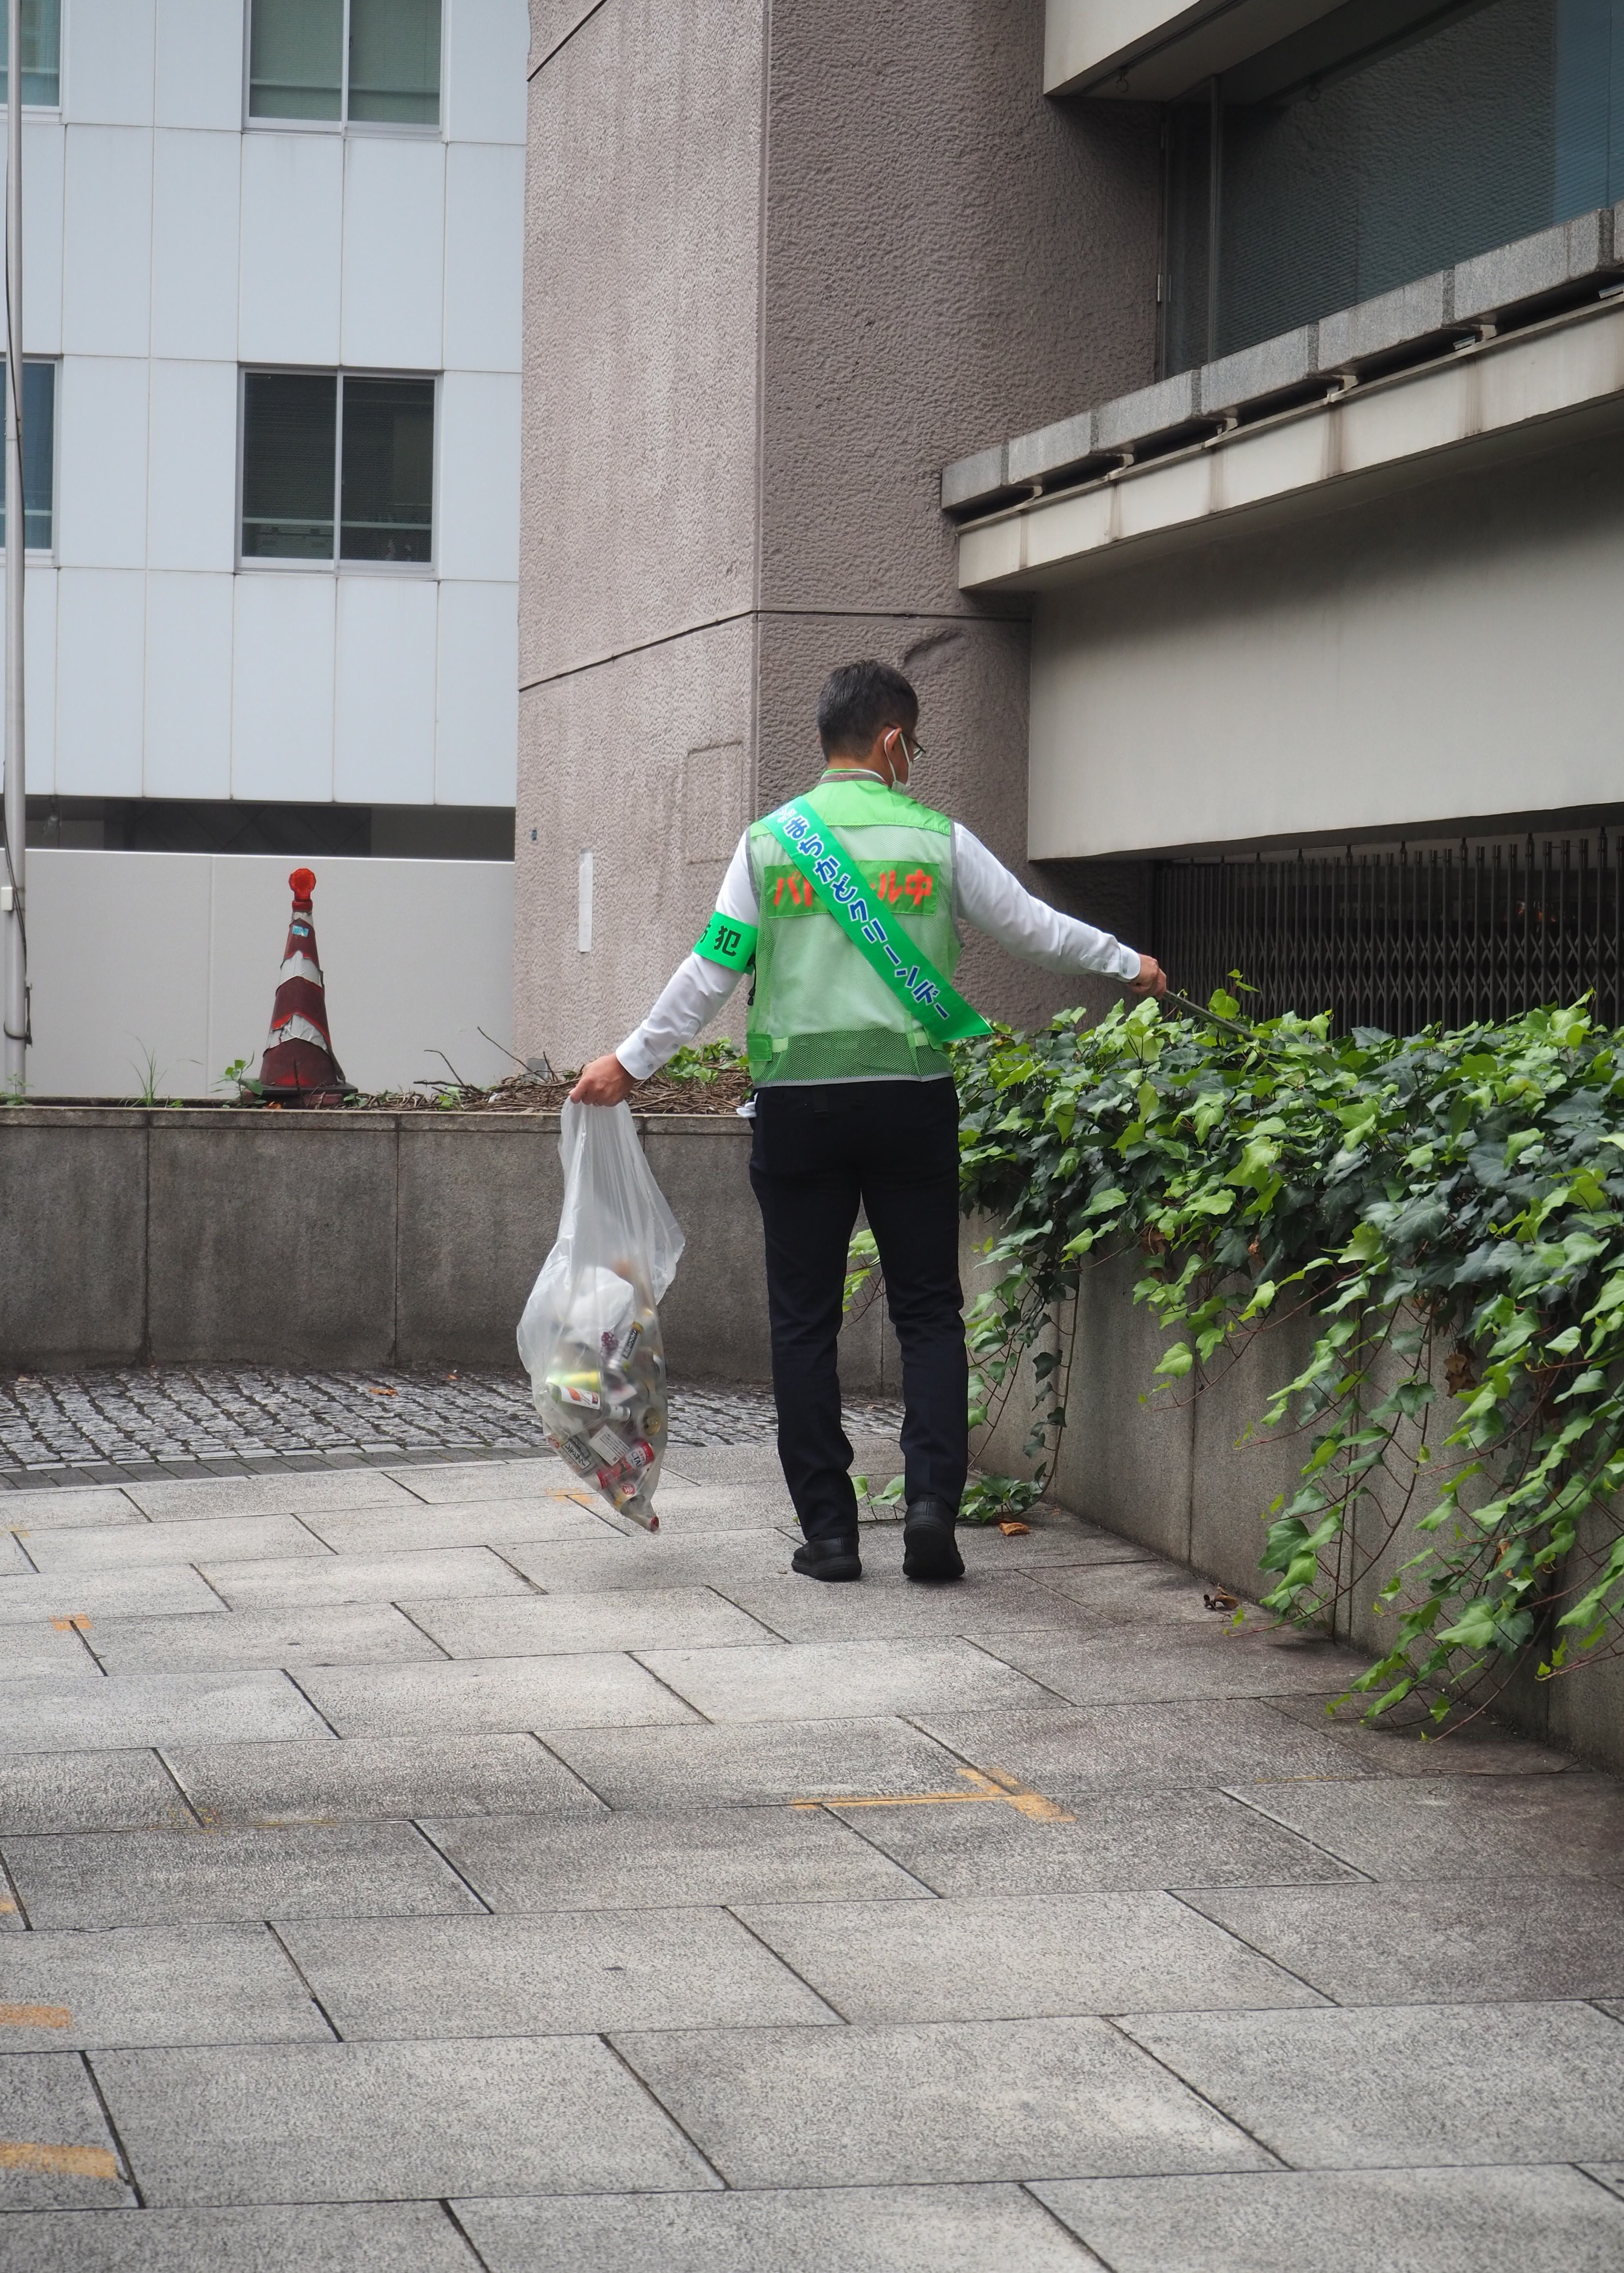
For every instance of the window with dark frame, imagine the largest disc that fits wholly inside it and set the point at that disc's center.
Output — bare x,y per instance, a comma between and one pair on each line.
39,456
1376,145
326,455
41,45
362,62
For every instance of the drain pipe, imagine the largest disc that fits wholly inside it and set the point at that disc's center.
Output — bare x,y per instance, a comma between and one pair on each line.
11,890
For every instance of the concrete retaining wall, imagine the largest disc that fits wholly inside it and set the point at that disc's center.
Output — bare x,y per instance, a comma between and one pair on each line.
1191,1475
131,1236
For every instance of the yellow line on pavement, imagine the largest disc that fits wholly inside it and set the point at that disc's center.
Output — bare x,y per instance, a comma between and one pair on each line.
35,2016
993,1783
72,2161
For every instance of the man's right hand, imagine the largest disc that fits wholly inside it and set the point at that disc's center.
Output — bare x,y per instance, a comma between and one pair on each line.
1151,979
605,1082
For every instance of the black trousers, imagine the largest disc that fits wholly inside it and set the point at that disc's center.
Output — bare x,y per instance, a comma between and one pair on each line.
820,1152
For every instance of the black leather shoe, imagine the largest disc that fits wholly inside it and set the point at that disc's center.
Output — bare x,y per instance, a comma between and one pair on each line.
929,1551
827,1559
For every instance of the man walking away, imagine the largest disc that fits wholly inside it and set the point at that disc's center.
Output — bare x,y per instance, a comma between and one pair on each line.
847,902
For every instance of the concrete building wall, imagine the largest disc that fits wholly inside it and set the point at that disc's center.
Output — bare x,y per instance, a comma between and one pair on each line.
1436,657
778,271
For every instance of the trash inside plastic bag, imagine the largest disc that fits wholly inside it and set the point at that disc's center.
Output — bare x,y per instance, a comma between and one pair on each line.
589,1338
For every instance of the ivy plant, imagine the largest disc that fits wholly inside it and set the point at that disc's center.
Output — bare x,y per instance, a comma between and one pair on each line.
1446,1211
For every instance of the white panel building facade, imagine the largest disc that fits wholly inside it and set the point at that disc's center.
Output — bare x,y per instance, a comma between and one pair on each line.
273,256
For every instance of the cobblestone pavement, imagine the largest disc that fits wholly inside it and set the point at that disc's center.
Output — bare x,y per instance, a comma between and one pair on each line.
410,1872
100,1425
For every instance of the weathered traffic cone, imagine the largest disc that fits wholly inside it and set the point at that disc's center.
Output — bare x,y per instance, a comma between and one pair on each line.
299,1067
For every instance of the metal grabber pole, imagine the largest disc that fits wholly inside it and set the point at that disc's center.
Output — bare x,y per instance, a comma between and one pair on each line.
12,888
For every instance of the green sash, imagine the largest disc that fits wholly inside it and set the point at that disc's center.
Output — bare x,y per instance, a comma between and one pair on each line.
823,860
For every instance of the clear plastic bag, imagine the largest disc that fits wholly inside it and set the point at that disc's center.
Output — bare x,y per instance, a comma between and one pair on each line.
589,1338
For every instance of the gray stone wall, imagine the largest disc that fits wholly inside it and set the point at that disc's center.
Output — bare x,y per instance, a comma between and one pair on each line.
781,266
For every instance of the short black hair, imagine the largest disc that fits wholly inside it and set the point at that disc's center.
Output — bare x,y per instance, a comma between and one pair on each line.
859,701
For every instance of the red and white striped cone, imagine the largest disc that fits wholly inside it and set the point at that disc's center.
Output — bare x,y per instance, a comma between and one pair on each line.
299,1067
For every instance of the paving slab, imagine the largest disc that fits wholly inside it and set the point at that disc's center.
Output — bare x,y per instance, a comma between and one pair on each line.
103,1594
13,1562
1162,1664
1444,1827
34,1652
1150,1592
797,2229
1543,2220
1407,2086
287,1492
1126,1839
382,2238
55,2150
1448,1940
838,1681
872,2107
1067,1750
393,2122
1050,1539
442,1776
1017,1957
675,1617
987,1606
562,1975
594,1690
487,1523
88,1792
154,1984
295,1582
631,1862
22,1512
144,1708
455,1482
362,1633
654,1560
758,1765
700,1511
118,1878
733,1464
1476,1748
141,1546
1607,2174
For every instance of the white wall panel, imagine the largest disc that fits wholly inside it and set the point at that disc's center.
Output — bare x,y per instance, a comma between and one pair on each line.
479,695
192,478
418,955
176,953
282,693
107,74
293,196
101,664
485,256
102,458
487,50
394,191
478,533
38,675
107,240
384,711
199,80
196,179
188,730
119,964
44,144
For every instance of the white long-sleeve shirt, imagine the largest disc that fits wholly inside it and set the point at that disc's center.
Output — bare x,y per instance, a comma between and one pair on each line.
985,895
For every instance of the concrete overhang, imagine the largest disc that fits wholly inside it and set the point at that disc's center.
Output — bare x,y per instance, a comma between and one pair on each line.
1377,395
1147,51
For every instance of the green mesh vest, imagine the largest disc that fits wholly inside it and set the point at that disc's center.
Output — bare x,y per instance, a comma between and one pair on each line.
820,1013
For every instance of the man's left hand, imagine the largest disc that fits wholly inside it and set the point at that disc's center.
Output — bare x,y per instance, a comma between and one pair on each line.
605,1082
1151,979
